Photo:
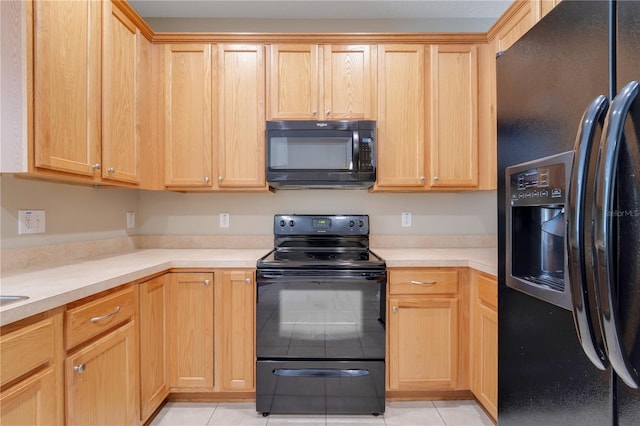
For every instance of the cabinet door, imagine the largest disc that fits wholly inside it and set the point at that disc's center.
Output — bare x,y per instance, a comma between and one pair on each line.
241,147
520,21
120,139
454,116
188,115
101,385
32,401
486,389
66,85
293,82
236,328
401,116
153,366
190,330
423,343
349,82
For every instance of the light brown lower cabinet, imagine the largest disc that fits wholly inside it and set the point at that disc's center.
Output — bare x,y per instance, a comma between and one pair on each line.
189,320
484,383
101,368
235,330
422,328
153,359
31,355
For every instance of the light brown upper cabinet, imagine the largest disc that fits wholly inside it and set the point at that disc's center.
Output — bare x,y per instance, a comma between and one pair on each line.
402,77
65,61
189,110
453,141
120,97
321,82
241,122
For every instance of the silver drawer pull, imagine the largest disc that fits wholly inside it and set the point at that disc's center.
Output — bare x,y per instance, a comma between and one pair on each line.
100,318
80,368
423,282
206,282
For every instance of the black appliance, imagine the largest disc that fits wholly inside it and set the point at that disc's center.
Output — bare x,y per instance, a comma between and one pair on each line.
321,154
320,335
570,84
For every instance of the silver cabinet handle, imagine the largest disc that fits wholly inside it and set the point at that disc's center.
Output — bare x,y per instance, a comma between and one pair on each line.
247,280
435,178
394,309
421,178
328,112
206,282
80,368
95,166
220,178
111,170
423,282
100,318
314,111
206,179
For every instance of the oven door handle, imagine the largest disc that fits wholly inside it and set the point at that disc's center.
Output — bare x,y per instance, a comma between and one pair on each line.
320,372
319,274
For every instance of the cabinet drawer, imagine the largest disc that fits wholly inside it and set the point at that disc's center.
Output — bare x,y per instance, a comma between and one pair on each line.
423,281
93,318
27,348
488,291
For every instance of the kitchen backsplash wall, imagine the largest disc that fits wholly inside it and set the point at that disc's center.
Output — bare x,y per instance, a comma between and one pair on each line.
169,213
77,213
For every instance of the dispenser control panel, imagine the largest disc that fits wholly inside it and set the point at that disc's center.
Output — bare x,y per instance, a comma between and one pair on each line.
538,185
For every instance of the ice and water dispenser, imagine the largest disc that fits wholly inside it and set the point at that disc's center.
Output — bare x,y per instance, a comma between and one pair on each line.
535,257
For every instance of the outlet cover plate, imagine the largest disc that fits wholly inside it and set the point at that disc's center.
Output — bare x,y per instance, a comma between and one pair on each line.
406,220
131,220
224,220
31,222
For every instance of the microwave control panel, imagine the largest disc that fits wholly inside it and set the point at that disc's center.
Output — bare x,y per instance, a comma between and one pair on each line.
366,163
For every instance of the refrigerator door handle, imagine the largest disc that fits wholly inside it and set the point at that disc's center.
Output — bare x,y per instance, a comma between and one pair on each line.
592,118
603,238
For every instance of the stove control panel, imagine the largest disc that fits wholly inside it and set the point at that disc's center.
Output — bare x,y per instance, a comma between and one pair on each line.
320,224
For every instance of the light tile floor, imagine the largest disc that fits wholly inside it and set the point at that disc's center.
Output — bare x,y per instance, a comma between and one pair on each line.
415,413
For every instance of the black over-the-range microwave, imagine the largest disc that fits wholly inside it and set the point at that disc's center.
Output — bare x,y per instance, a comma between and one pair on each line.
321,154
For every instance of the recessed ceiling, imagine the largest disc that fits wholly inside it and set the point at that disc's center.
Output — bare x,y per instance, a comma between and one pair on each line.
322,9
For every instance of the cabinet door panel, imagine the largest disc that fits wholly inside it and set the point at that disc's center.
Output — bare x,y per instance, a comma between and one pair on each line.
66,85
293,82
241,147
237,331
423,343
454,116
32,401
401,116
153,365
101,381
487,385
349,85
190,330
120,140
188,116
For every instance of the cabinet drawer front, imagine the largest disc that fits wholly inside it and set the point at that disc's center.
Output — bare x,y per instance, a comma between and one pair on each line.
93,318
27,349
423,281
488,291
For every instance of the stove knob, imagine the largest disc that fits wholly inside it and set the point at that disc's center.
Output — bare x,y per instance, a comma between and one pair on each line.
282,223
292,223
351,224
360,223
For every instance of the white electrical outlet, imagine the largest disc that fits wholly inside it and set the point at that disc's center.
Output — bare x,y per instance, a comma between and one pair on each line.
224,220
131,220
30,221
406,220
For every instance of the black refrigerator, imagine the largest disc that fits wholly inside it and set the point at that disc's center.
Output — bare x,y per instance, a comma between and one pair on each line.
570,86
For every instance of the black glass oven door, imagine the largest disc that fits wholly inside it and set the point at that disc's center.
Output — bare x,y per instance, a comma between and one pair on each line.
320,318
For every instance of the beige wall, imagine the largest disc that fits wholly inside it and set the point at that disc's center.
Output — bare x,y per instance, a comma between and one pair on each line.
73,213
77,213
163,213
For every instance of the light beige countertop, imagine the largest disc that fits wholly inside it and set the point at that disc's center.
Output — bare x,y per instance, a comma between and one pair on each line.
54,286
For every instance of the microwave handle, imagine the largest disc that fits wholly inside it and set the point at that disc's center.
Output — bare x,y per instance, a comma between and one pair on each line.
592,118
355,161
